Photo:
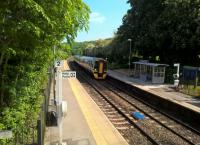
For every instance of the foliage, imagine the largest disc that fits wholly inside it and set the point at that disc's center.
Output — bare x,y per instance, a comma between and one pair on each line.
164,29
91,48
30,29
190,90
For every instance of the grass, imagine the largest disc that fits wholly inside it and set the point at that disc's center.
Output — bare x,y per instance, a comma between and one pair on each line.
190,90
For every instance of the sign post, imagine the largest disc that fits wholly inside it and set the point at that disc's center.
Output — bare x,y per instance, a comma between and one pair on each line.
58,64
61,105
69,74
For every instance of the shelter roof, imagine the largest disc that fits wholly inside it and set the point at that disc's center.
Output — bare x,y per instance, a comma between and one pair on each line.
150,64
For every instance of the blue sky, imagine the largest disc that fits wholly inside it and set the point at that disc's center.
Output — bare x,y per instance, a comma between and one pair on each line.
106,16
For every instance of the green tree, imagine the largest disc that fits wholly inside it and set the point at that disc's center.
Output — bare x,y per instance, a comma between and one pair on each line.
29,30
166,29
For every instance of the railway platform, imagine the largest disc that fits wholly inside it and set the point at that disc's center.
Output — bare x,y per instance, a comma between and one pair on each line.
181,107
85,123
164,91
184,107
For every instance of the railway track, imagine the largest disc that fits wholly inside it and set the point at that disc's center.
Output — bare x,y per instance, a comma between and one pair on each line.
132,135
177,127
139,95
118,106
181,131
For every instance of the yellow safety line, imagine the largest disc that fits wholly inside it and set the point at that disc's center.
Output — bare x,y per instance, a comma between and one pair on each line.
87,114
64,65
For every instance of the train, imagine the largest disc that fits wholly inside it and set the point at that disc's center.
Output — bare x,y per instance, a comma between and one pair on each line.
96,66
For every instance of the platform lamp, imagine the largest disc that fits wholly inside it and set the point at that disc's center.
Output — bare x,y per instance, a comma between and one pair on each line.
129,64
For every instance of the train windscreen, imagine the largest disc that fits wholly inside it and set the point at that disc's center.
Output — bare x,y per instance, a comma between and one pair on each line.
96,65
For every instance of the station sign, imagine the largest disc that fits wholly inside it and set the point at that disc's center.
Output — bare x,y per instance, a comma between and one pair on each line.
69,74
5,134
58,63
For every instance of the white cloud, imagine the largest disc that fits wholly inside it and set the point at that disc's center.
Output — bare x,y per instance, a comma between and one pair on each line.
97,17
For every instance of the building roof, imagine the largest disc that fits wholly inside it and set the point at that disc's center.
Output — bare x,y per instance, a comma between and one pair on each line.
191,68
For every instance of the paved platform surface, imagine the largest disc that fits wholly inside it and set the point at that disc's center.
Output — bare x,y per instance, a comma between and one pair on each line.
161,90
85,123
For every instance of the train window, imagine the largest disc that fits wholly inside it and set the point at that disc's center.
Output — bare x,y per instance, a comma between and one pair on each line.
96,65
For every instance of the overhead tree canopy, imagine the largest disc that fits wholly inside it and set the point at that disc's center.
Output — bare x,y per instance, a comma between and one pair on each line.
29,30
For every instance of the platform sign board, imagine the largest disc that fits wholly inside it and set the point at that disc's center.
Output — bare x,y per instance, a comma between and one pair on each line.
5,134
69,74
58,63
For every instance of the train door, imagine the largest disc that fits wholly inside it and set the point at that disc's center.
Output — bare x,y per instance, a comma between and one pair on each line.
100,67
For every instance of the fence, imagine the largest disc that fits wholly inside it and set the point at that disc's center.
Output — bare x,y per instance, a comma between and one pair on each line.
33,133
42,120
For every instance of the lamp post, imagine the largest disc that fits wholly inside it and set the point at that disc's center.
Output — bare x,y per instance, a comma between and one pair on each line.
130,40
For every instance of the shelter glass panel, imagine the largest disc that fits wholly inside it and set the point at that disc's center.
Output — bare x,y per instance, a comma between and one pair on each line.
149,73
159,72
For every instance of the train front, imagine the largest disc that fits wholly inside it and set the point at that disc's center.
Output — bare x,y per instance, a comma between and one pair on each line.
100,69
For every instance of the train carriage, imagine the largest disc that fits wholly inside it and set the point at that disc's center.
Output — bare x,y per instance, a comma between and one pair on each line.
96,66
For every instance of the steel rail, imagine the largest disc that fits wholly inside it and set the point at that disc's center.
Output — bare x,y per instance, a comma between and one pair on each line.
147,114
120,111
153,107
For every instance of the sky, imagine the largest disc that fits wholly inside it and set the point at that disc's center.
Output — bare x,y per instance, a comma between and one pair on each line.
106,16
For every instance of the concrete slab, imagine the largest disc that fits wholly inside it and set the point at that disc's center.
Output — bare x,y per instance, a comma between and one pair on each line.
75,127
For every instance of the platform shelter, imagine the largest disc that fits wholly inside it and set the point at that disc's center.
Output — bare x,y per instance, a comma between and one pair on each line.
190,75
151,72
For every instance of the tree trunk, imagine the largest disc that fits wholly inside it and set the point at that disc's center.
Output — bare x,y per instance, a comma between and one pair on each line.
2,56
2,81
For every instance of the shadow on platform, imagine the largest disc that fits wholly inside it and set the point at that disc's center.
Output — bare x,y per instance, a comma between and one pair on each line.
84,141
